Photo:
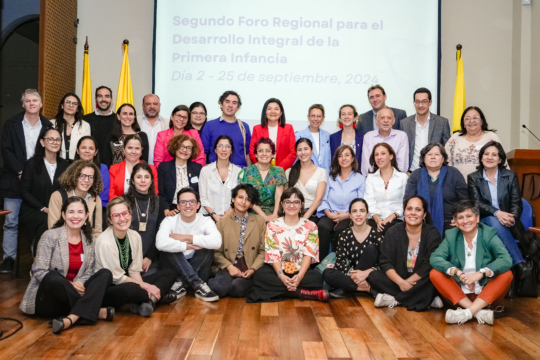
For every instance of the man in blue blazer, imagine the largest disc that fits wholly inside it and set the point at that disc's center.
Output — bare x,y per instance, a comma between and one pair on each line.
377,99
19,139
319,138
423,127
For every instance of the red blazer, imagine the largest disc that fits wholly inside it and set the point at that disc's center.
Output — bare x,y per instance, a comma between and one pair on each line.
285,152
117,173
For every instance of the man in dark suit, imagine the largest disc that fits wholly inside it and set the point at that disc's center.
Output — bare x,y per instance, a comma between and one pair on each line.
19,139
423,127
377,99
101,121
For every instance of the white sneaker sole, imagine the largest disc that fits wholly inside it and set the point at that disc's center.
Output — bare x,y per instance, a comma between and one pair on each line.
208,299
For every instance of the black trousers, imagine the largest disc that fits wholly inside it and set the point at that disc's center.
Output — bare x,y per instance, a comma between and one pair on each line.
34,224
56,296
373,224
132,293
193,271
418,298
267,287
336,279
224,284
328,233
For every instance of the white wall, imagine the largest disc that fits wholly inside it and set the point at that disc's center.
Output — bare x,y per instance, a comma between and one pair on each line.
485,28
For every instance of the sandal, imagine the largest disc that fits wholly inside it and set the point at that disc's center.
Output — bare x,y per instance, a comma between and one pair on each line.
58,325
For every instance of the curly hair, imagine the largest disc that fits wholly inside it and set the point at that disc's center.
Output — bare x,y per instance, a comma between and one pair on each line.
267,141
174,145
68,180
86,228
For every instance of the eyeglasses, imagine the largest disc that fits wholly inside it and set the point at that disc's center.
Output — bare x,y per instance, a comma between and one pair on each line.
197,113
126,214
183,118
264,151
473,119
54,140
188,202
223,146
423,102
187,148
293,203
74,103
85,176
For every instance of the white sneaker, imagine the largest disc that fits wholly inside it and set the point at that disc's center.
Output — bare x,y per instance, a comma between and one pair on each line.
385,300
485,316
436,303
203,292
458,316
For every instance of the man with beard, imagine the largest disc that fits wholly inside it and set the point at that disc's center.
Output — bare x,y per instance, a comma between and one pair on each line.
152,122
102,119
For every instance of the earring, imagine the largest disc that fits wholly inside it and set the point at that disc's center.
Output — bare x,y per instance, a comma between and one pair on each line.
341,126
354,126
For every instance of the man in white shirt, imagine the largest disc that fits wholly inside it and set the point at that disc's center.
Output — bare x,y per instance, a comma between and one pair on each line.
423,127
19,138
188,240
152,122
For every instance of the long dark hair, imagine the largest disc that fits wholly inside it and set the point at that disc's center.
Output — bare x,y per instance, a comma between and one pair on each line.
96,157
424,206
294,174
500,149
61,123
264,119
393,162
335,169
132,191
193,106
181,108
39,152
463,130
86,228
117,126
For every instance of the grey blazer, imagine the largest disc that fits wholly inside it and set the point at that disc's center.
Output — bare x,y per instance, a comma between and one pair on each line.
366,119
439,131
53,255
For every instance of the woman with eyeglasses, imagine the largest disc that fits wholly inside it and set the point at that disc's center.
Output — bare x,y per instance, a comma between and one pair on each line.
198,116
218,179
81,179
180,124
120,250
124,126
39,180
464,145
268,179
292,245
70,125
121,173
180,172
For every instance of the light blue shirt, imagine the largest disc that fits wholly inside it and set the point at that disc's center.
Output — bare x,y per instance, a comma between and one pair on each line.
493,188
324,147
338,195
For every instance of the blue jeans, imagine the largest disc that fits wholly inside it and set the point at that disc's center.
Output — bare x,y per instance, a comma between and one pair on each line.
11,227
506,237
193,271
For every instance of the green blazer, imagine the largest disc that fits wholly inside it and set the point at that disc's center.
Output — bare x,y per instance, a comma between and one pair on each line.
490,253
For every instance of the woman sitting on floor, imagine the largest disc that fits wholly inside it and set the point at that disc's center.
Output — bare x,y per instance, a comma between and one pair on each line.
356,255
471,268
62,280
292,245
242,249
403,278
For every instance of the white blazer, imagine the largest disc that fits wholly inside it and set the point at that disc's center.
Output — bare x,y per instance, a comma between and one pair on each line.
80,130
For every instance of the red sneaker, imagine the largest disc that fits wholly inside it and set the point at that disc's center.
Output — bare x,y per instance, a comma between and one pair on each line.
315,295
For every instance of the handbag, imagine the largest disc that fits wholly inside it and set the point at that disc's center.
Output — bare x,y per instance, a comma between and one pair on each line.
329,262
528,281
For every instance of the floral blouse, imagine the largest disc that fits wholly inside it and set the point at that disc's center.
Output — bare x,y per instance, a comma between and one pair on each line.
463,154
349,250
289,244
267,187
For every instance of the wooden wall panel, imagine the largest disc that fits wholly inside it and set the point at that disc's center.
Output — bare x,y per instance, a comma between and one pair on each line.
56,52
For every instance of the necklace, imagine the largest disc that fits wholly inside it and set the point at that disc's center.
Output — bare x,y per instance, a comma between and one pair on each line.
142,224
124,251
386,188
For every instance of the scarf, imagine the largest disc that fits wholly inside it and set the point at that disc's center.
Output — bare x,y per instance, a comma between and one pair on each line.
437,208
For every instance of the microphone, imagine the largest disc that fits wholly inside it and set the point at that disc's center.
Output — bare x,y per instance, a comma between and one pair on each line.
525,127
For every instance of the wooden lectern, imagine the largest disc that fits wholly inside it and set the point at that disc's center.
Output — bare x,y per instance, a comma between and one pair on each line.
524,162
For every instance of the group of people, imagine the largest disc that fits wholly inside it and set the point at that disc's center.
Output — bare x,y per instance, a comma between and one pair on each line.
127,211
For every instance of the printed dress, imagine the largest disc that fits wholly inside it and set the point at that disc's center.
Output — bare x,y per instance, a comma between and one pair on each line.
267,187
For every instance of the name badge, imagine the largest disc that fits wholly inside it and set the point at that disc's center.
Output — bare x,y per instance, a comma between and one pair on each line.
195,180
478,147
82,257
232,185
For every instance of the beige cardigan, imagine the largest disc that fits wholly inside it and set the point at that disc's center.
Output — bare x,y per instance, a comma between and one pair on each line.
107,255
94,204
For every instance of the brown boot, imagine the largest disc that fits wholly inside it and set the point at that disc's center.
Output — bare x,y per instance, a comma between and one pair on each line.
315,295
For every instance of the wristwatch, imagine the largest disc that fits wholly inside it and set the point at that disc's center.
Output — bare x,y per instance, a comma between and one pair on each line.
483,271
